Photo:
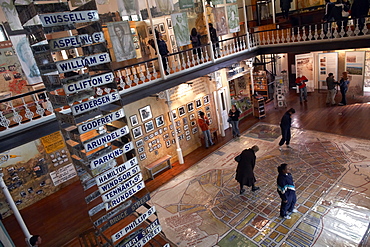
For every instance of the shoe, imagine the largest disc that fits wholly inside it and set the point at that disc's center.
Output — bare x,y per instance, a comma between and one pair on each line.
242,191
340,104
294,211
255,188
207,147
234,136
238,135
305,100
287,217
288,146
280,148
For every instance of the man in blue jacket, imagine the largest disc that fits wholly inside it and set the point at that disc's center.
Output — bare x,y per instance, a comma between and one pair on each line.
286,190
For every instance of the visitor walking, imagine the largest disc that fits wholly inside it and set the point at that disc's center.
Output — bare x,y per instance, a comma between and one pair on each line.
285,124
286,190
234,114
245,169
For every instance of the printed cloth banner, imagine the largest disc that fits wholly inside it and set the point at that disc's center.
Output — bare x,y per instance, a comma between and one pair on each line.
122,42
186,4
11,14
181,28
25,56
221,23
233,18
128,7
165,6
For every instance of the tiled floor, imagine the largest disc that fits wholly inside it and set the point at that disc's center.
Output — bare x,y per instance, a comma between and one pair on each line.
202,206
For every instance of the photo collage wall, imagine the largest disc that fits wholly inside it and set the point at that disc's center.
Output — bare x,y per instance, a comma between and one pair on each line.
154,135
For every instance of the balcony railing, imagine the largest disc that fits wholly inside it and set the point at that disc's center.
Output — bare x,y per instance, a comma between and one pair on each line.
30,108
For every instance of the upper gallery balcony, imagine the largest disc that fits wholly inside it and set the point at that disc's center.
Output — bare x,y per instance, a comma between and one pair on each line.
144,78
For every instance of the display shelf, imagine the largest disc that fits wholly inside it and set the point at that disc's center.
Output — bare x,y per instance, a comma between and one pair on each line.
259,106
260,83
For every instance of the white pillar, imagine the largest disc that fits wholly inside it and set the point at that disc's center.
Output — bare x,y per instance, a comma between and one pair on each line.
246,25
252,81
178,148
14,208
273,11
219,112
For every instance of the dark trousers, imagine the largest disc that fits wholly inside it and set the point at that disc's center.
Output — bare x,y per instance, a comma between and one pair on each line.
289,205
164,62
285,132
343,91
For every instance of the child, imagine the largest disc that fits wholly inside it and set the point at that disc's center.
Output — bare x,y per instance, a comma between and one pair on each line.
286,190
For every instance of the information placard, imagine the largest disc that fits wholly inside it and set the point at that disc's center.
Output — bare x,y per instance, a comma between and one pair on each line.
64,18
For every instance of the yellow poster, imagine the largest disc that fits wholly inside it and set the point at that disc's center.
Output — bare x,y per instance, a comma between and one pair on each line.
52,142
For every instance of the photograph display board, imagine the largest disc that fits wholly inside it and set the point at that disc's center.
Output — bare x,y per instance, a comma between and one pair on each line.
304,64
122,42
367,73
233,18
180,28
354,65
327,63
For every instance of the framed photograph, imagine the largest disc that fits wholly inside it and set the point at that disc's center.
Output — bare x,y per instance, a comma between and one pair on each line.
185,120
140,150
139,143
168,143
137,132
133,120
181,110
166,136
173,133
150,31
188,138
165,129
173,141
169,23
208,114
142,156
178,123
156,133
193,123
192,116
145,113
159,121
171,127
151,149
206,99
195,130
187,132
150,145
174,115
156,28
151,136
210,121
198,103
154,142
208,108
160,131
178,130
161,28
186,127
149,126
190,106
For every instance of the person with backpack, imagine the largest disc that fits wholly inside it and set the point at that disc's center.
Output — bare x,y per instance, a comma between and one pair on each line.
195,42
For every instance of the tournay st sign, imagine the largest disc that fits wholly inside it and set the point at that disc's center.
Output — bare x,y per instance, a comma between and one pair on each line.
123,197
105,139
99,80
118,235
115,171
82,62
64,18
110,156
94,103
76,41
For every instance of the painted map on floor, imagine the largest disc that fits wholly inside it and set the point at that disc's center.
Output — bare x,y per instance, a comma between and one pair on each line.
202,206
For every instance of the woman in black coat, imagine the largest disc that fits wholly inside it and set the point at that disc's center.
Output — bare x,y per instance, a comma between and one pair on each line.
244,171
360,9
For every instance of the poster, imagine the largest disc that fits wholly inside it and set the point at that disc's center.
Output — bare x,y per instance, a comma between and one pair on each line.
304,64
186,4
25,56
165,6
367,73
233,18
122,42
11,14
181,29
328,63
354,65
309,3
27,171
128,7
221,23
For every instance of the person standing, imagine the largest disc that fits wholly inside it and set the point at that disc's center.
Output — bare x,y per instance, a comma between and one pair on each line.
360,9
301,83
330,82
285,124
285,6
214,39
234,114
203,124
328,8
163,50
195,42
245,169
286,190
343,84
35,240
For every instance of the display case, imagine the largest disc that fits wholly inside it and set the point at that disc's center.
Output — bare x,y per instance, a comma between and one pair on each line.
259,106
260,83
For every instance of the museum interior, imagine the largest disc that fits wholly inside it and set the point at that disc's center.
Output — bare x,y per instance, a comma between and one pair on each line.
100,135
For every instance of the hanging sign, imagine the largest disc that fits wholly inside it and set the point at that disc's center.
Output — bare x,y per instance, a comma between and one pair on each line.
106,158
64,18
82,62
148,237
113,173
91,145
122,198
96,123
94,81
135,238
105,217
94,103
76,41
120,184
133,224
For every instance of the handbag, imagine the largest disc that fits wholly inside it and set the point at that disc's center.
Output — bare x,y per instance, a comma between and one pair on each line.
238,158
345,13
229,120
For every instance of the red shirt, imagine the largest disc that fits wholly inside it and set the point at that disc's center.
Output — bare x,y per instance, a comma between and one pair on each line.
203,123
300,81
